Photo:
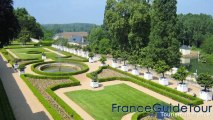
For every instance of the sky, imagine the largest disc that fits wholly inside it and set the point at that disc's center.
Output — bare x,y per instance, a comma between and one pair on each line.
91,11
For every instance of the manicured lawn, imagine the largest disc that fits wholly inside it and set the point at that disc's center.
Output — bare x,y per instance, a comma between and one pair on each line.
22,53
6,112
99,103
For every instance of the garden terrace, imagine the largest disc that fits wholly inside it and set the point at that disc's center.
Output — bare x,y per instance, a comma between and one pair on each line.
166,91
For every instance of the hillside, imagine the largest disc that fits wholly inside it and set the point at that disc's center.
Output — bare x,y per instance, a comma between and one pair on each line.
72,27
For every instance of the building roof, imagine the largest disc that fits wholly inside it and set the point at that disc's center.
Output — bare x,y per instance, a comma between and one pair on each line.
184,47
68,35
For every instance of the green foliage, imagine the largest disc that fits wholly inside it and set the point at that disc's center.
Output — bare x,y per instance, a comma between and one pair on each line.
116,54
124,56
205,80
91,54
194,28
163,90
163,43
207,45
24,36
161,67
134,59
145,60
33,52
97,39
103,59
181,74
6,112
28,23
45,43
61,41
9,24
73,27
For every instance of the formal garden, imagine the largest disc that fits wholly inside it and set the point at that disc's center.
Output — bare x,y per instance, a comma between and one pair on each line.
134,58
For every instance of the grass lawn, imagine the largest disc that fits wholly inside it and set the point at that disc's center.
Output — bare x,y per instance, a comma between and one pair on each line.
99,103
22,53
6,112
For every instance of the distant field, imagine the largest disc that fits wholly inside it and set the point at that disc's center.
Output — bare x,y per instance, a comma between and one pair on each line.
22,53
6,112
99,103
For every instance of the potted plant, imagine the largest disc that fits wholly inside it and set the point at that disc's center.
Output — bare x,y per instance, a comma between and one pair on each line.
124,57
162,67
115,55
21,69
91,55
43,56
103,60
15,65
148,63
134,60
181,75
94,83
206,81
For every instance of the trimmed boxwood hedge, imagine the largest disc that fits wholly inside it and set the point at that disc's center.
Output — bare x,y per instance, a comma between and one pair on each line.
166,91
84,68
55,114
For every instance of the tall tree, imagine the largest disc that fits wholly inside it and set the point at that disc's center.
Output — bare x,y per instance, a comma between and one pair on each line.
9,27
163,45
139,23
29,23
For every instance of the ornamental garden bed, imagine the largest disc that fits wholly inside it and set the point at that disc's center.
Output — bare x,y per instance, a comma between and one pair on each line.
43,87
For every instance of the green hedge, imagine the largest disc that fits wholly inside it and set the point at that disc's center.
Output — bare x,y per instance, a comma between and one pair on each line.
55,114
30,62
8,56
6,112
84,68
166,91
15,47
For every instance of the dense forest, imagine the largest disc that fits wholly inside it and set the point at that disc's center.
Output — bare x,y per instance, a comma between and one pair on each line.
72,27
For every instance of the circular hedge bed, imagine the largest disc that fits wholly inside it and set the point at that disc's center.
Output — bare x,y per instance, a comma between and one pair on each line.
33,52
84,68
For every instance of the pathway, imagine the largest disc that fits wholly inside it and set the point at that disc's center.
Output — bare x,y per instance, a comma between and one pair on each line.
23,102
14,55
